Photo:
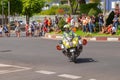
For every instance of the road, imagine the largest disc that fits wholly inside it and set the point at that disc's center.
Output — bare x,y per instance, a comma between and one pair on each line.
37,59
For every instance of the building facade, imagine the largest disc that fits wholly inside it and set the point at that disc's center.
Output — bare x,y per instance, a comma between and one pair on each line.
110,4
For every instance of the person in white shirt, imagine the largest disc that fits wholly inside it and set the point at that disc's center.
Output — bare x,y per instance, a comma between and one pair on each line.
113,30
72,22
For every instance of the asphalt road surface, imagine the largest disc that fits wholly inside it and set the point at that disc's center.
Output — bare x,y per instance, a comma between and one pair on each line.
37,59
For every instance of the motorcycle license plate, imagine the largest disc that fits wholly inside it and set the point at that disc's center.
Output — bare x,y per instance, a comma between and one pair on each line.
72,50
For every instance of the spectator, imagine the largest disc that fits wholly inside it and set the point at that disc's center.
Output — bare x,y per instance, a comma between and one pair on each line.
113,30
109,29
69,19
89,24
100,21
93,23
56,20
49,24
46,22
115,22
1,29
17,30
32,26
84,23
5,28
27,30
72,22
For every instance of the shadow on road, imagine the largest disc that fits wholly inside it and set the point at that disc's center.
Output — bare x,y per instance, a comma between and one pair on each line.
85,60
5,50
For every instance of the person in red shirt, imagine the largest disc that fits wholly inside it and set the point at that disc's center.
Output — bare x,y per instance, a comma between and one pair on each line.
46,21
69,19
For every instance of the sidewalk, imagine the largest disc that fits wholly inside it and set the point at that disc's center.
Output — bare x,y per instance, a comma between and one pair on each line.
111,38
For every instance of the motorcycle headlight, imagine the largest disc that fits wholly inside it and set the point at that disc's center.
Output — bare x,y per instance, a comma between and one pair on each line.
67,43
74,42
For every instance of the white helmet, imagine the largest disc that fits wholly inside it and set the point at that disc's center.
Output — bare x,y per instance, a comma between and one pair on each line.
66,26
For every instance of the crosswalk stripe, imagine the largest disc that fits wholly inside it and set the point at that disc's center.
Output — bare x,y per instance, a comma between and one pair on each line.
69,76
92,79
45,72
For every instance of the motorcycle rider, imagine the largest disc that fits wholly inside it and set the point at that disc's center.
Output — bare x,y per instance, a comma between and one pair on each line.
69,35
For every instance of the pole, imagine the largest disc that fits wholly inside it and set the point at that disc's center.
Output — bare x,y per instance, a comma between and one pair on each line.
8,11
2,13
104,13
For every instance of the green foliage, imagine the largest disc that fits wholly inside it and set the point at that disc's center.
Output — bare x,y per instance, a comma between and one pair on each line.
32,6
16,7
61,23
51,11
56,10
94,11
94,1
85,8
66,8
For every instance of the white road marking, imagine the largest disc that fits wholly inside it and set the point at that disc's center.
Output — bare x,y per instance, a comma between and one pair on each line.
7,71
4,65
69,76
45,72
14,66
92,79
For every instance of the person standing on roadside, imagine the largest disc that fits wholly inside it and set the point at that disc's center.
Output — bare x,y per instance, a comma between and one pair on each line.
115,21
26,30
1,29
17,30
101,21
5,28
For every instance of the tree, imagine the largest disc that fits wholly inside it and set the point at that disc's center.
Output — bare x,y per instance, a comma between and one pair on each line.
31,7
15,7
94,1
74,4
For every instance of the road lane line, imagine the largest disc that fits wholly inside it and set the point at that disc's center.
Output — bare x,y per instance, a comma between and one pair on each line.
45,72
4,65
69,76
7,71
14,66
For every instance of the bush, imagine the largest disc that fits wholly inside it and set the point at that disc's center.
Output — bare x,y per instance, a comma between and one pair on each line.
63,9
66,8
85,8
94,11
51,11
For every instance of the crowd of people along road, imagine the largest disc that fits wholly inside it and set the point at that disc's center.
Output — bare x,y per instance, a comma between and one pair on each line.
84,22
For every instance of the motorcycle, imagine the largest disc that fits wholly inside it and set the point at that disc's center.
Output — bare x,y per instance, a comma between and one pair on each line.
72,47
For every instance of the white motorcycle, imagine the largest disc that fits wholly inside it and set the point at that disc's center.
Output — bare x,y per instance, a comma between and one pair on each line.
72,47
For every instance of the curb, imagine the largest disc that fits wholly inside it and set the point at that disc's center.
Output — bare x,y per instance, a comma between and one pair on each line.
57,37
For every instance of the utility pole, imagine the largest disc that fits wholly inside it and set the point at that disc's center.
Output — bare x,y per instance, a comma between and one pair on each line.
104,13
2,12
8,11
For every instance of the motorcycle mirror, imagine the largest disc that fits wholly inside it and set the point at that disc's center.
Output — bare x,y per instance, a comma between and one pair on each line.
58,47
84,41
